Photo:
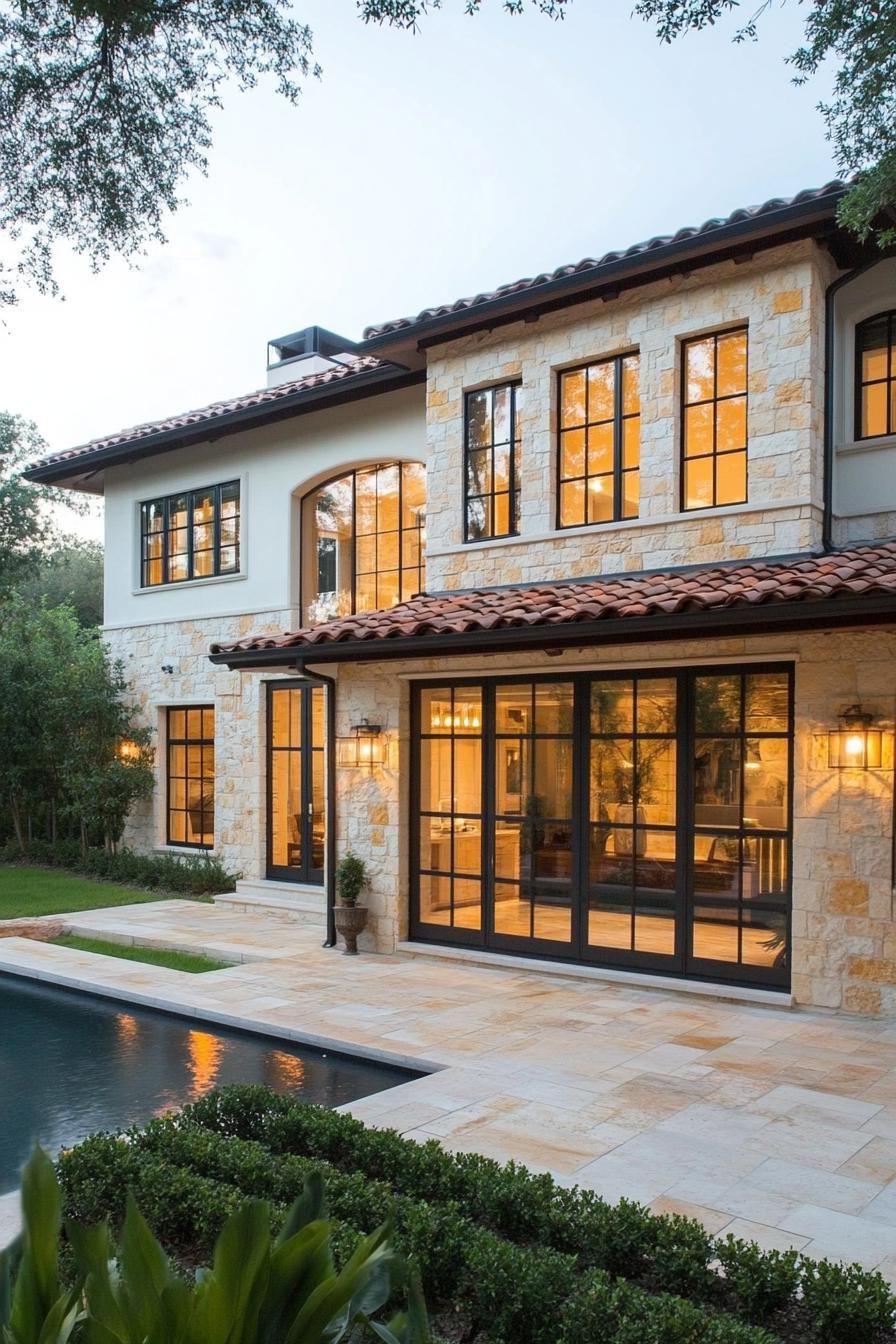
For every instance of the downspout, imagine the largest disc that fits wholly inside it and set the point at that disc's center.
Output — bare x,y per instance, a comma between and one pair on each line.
329,684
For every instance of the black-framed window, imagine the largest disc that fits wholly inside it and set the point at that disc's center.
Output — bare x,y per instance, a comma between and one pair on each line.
191,535
714,420
637,818
365,547
599,455
876,376
191,776
492,462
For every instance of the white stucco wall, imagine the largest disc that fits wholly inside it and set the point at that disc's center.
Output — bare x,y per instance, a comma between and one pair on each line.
276,465
864,475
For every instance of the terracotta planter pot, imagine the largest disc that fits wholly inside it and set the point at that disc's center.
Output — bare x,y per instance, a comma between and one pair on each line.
351,920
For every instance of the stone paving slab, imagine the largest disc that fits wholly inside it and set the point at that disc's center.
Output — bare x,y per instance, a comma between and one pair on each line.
776,1124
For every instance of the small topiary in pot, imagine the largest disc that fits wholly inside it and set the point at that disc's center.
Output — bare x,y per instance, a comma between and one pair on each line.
351,918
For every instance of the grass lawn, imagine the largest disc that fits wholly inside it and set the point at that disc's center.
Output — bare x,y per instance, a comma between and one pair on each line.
194,962
27,892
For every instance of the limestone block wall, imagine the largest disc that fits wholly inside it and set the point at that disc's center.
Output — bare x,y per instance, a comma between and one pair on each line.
239,727
779,295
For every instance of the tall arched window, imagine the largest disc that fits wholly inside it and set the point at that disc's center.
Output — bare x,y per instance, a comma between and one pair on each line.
876,376
363,547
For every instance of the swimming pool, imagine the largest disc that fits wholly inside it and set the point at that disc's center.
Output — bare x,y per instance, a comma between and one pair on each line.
71,1064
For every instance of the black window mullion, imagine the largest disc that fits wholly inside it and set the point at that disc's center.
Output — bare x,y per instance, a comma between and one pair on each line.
166,539
617,439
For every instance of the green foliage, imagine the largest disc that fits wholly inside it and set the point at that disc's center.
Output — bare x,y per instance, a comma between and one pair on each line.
859,42
258,1290
351,878
63,716
847,1304
191,963
503,1254
763,1281
69,575
26,525
187,875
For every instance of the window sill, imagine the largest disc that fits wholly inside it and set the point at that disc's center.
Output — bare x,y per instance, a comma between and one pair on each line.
184,851
189,583
602,529
881,444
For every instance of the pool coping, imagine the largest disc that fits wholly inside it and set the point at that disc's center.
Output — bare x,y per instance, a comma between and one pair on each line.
254,1026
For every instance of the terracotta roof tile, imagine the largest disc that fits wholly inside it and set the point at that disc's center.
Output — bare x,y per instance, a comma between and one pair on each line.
868,571
350,368
831,190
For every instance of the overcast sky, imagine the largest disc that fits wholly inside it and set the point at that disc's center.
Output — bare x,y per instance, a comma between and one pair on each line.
419,168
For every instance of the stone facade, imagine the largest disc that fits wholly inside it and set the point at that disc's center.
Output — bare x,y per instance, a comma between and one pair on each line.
843,936
780,296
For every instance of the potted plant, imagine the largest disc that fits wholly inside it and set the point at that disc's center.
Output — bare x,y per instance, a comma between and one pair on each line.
351,918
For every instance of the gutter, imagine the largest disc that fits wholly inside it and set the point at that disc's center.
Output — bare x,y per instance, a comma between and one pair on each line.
371,383
779,616
514,306
329,685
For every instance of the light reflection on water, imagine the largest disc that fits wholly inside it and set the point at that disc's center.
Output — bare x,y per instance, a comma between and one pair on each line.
71,1065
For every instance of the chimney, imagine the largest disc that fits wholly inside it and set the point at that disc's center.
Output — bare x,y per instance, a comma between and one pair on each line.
312,350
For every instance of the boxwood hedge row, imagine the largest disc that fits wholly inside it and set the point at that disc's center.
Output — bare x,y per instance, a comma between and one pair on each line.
505,1254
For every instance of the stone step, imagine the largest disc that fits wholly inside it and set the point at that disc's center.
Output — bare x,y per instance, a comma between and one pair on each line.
293,901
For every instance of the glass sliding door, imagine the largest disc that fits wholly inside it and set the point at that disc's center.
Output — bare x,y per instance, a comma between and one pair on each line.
449,834
636,819
296,782
531,830
740,842
633,881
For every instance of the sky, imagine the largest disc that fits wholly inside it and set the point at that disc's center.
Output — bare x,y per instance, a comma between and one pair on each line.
419,168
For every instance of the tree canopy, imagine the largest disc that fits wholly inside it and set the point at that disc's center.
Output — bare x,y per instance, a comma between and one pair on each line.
69,575
105,104
28,528
858,39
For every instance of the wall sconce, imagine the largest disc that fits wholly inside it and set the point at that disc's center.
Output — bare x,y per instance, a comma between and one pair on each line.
364,748
855,744
127,751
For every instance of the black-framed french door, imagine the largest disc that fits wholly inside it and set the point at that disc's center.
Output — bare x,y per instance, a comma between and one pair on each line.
638,819
296,787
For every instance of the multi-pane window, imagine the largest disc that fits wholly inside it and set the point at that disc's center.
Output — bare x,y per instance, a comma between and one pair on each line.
191,776
876,376
193,535
491,463
714,420
600,454
365,548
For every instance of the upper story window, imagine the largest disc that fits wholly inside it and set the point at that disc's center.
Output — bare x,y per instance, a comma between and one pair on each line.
364,537
492,463
876,376
193,535
600,432
714,420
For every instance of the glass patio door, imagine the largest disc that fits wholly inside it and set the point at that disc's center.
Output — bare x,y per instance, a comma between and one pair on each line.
296,782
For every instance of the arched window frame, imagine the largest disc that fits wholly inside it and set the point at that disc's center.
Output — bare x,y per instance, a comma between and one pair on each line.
309,589
888,381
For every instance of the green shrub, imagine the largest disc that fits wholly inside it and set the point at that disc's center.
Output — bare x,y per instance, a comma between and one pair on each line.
608,1311
189,874
682,1251
846,1303
763,1282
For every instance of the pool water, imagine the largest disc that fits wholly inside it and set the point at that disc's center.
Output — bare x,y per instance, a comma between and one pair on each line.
71,1065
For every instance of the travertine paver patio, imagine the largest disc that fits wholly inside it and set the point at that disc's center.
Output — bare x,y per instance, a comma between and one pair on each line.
774,1124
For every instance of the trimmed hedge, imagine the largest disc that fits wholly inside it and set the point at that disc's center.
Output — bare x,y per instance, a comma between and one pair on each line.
188,875
503,1253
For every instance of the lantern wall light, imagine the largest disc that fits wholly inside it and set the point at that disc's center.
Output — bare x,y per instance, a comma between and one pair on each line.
855,745
364,748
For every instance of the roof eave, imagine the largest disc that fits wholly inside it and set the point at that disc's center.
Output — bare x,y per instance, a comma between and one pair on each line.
371,383
765,619
769,230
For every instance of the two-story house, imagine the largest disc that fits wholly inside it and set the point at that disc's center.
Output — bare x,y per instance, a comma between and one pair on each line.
569,607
